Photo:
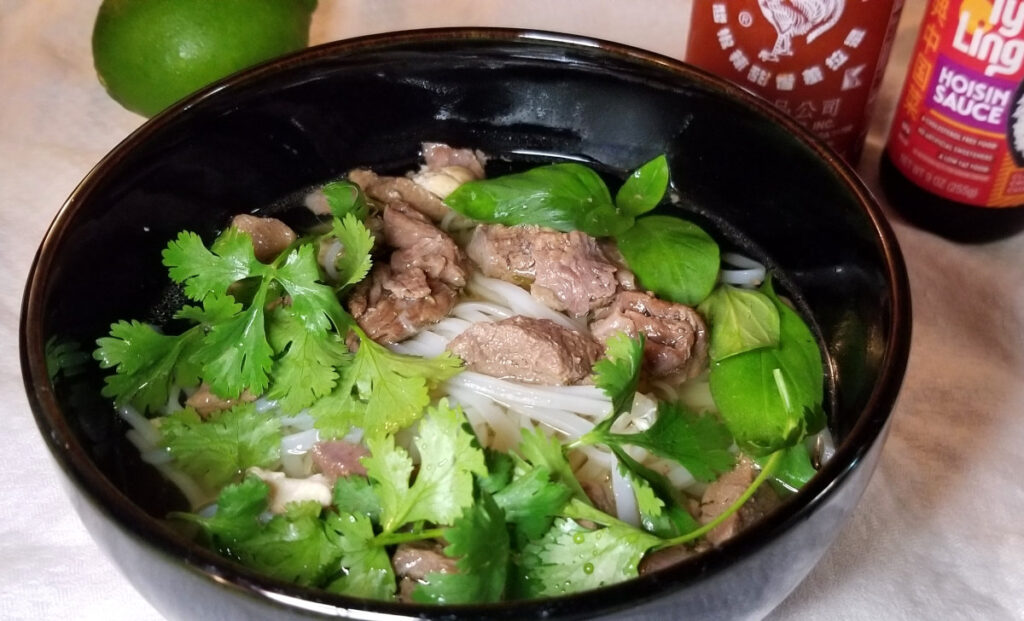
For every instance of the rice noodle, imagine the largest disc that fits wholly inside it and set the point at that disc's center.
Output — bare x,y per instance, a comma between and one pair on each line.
504,427
328,259
595,405
562,421
743,278
142,425
146,438
300,442
738,260
750,272
518,300
626,508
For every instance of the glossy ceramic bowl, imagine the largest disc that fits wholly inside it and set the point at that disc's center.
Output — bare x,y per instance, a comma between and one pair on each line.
746,172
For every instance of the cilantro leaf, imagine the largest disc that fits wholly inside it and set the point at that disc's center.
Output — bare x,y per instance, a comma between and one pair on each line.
532,501
305,369
215,451
355,494
367,570
499,471
235,353
570,558
382,391
316,304
673,519
354,261
202,271
239,507
444,483
216,307
649,504
480,542
336,414
700,443
618,372
64,358
293,546
541,451
147,364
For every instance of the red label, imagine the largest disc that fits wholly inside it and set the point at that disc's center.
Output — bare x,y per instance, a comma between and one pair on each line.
959,129
819,60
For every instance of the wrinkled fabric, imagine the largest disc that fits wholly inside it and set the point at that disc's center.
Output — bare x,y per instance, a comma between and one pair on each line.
938,534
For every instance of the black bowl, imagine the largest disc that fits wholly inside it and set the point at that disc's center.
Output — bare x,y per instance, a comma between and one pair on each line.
745,171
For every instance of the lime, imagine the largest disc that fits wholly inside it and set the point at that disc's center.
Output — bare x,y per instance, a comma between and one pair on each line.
150,53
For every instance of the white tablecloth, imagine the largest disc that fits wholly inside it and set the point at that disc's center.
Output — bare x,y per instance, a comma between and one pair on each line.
939,534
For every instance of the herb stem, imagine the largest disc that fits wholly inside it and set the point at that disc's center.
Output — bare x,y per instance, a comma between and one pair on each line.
766,472
396,538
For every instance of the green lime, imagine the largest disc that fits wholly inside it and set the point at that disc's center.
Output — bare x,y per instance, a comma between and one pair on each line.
150,53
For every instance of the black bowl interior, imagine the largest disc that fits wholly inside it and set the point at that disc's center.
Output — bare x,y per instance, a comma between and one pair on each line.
739,168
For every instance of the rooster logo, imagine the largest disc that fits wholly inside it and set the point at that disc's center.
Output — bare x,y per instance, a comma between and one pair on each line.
798,18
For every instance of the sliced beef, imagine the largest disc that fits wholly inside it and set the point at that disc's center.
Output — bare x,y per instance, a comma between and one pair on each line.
388,190
524,349
439,156
417,287
205,403
390,307
725,491
600,493
337,458
566,271
667,557
677,339
413,562
420,245
270,236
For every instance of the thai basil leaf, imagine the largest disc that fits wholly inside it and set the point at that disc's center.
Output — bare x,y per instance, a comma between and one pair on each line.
674,258
644,188
795,469
770,398
565,197
741,320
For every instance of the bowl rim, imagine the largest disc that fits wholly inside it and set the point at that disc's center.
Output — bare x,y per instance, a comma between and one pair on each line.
74,460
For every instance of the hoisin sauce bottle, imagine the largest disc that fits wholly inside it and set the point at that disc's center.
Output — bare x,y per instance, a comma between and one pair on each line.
954,161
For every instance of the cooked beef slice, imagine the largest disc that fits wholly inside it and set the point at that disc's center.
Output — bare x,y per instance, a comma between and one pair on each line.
205,403
524,349
387,190
667,557
722,493
439,156
677,338
337,458
392,306
269,236
420,245
417,287
566,271
413,562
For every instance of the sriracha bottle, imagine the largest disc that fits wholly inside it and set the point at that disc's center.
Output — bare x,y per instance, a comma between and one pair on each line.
819,60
